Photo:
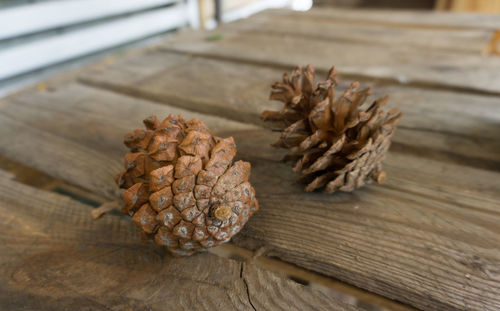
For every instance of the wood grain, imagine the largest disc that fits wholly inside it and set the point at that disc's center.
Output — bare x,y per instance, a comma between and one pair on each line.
347,293
424,230
456,127
429,237
53,256
471,41
409,19
397,64
74,120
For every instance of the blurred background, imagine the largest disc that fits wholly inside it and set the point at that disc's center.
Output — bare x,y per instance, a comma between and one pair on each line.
40,37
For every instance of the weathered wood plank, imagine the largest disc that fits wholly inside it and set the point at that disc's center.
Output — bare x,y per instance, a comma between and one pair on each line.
80,120
215,87
457,127
411,19
429,237
53,256
399,64
471,41
425,230
346,293
351,294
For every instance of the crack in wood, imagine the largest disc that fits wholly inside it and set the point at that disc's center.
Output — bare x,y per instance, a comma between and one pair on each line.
246,286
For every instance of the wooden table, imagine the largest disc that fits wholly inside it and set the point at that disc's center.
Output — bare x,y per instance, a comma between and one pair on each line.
428,238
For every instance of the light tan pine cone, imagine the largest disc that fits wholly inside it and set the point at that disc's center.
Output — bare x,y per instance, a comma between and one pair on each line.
337,144
182,188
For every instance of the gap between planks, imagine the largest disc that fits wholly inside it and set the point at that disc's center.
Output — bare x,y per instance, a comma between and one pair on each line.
343,75
396,230
308,278
470,42
425,112
432,20
395,63
381,81
347,293
347,21
354,41
479,162
102,265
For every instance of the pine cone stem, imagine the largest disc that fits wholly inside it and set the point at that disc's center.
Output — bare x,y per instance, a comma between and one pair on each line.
379,176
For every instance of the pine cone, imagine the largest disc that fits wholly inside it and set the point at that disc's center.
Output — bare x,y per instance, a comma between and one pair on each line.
336,143
182,188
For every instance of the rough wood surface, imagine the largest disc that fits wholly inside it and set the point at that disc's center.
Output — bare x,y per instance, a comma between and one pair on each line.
427,230
92,123
395,64
458,127
470,41
429,237
422,238
411,19
346,293
53,256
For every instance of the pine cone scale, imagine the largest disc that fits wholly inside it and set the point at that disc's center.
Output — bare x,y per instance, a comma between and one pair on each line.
182,188
336,143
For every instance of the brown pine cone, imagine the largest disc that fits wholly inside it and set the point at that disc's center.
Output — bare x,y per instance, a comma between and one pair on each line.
336,143
182,188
